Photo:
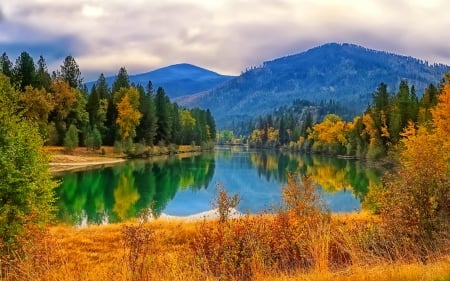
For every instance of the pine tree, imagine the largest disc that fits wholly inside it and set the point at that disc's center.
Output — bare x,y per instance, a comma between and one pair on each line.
70,72
42,76
6,66
24,72
163,116
146,130
122,81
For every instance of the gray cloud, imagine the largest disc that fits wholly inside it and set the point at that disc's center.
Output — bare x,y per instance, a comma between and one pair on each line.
224,35
2,16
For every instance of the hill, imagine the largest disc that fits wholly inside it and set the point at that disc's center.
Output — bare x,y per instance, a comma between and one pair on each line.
177,80
345,73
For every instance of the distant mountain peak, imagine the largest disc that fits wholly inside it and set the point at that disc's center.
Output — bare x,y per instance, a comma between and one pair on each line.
343,72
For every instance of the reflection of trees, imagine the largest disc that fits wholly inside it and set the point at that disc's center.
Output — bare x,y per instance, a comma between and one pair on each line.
122,191
331,173
125,195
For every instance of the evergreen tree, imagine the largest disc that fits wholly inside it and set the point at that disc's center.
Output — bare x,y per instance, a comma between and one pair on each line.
42,76
122,80
24,72
93,105
427,102
211,125
70,72
163,116
6,66
146,130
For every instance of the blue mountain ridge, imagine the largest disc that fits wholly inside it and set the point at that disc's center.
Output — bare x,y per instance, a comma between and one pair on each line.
177,80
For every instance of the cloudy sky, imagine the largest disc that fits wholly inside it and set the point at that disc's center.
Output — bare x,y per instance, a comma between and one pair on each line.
223,35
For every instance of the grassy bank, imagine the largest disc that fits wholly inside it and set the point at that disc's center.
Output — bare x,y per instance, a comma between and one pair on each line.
237,250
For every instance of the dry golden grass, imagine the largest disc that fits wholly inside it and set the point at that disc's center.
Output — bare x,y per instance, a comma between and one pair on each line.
104,253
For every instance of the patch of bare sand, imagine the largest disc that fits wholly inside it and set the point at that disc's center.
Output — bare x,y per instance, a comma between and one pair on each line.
64,162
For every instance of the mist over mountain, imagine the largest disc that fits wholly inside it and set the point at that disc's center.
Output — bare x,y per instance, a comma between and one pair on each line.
177,79
344,73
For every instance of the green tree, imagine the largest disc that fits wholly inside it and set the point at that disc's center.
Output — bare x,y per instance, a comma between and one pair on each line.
71,139
43,79
24,72
164,124
211,125
146,131
93,139
26,185
6,66
122,80
187,123
427,102
70,72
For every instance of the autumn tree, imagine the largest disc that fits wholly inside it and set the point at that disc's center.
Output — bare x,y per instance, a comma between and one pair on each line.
331,133
36,105
441,116
128,113
415,204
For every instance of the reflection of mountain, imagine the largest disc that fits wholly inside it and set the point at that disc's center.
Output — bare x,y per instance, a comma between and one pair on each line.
121,192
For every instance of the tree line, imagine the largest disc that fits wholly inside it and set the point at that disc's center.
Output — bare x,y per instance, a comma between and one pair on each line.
369,135
69,114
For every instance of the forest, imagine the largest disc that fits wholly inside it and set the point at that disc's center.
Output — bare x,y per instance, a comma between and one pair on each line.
126,115
369,135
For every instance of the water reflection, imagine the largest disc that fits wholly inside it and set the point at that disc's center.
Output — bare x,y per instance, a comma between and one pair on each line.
186,186
117,193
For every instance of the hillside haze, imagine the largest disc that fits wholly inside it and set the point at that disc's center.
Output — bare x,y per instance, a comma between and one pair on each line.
345,73
177,80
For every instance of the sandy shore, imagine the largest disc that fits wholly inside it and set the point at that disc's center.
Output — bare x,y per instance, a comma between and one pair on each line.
61,163
208,215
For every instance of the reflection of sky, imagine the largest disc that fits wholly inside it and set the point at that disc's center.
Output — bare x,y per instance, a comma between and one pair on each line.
257,194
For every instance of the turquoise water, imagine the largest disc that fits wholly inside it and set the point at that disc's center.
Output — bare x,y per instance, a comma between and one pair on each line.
187,186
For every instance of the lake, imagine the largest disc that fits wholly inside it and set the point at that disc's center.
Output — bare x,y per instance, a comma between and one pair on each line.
181,186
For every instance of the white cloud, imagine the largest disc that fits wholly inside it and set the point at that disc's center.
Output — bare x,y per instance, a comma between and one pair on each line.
226,35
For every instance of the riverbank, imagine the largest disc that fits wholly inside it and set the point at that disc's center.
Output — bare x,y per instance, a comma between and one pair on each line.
81,158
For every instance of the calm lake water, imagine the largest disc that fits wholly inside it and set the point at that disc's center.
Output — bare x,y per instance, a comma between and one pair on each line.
187,186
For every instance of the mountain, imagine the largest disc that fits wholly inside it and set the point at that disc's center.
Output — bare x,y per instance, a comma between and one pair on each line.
345,73
177,80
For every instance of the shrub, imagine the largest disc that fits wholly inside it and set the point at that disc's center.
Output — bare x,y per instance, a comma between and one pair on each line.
225,203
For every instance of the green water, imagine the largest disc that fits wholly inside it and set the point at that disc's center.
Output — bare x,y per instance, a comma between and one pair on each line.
187,186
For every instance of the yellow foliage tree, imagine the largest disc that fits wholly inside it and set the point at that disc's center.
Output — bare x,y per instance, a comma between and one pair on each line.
441,116
128,114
